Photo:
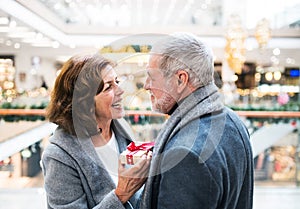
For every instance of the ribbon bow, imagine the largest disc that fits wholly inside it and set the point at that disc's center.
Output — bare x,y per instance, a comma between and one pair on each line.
145,146
134,149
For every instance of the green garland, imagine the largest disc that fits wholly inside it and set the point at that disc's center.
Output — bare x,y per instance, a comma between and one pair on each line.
291,106
16,118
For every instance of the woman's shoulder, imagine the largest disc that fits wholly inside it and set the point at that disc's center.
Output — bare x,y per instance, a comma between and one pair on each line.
57,147
54,151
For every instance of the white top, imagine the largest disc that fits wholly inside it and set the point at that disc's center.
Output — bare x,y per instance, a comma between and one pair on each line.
109,155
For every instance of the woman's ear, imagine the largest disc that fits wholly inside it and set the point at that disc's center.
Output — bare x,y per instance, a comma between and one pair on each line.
183,79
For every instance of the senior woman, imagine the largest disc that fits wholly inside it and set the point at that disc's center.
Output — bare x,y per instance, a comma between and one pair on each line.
80,165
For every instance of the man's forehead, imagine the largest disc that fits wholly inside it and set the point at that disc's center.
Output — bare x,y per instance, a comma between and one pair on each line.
153,61
153,70
154,58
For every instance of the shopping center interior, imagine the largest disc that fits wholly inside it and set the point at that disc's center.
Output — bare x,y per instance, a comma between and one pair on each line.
256,45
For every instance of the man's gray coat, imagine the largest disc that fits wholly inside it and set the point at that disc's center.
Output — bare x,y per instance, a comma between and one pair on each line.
202,158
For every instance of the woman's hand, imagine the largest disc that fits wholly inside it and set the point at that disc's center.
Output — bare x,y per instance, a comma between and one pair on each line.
132,179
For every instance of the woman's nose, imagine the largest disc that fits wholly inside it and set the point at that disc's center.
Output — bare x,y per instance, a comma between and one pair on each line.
119,91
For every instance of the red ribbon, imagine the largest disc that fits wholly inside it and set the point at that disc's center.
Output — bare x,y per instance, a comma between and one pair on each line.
145,146
134,149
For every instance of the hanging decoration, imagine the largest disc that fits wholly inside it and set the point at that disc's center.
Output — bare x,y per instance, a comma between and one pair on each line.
235,44
7,77
262,33
126,49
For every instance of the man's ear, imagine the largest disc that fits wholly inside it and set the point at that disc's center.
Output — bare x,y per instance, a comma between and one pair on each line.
183,79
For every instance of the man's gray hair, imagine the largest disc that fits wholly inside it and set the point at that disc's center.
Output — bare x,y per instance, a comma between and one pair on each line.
185,51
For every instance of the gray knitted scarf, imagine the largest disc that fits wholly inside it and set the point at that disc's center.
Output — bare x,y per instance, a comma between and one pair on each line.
204,100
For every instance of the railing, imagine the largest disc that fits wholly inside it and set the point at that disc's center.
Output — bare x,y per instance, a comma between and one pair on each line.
40,112
275,117
269,114
23,140
251,114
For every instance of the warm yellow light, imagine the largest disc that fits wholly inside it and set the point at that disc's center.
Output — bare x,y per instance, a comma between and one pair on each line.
277,75
257,77
262,33
235,78
235,47
8,85
7,75
269,76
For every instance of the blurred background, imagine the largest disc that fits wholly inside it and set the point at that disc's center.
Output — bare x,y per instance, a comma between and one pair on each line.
256,45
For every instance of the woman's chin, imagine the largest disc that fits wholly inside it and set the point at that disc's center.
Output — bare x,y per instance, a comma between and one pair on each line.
119,113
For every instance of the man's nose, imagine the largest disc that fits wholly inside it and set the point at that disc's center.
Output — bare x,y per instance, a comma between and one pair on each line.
147,84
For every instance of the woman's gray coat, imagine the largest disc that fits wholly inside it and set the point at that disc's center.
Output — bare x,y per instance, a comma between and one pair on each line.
75,176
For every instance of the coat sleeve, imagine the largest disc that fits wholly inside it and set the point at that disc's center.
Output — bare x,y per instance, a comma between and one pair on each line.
186,182
63,185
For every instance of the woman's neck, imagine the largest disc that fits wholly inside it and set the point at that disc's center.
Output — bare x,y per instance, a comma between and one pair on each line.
105,129
105,133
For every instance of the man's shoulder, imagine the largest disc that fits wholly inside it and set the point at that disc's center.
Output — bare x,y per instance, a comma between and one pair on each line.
208,129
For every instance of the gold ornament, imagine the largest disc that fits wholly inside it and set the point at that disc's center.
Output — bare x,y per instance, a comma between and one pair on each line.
235,44
262,33
106,49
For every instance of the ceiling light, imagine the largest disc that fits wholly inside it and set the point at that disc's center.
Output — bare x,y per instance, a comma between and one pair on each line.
276,51
39,35
18,29
57,6
12,24
4,20
8,43
17,45
204,6
55,44
4,29
154,18
290,61
41,44
274,60
22,35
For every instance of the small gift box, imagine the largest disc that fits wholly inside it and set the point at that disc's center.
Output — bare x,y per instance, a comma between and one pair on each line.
135,151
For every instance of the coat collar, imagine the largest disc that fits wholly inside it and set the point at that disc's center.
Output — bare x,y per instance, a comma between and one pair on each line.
74,146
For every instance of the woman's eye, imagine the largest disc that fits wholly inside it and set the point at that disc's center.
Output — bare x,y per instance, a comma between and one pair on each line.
117,81
108,87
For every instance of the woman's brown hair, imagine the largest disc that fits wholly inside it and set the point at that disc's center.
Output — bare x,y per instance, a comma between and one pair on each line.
72,99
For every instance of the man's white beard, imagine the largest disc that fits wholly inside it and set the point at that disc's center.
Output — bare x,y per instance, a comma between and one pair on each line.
164,104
